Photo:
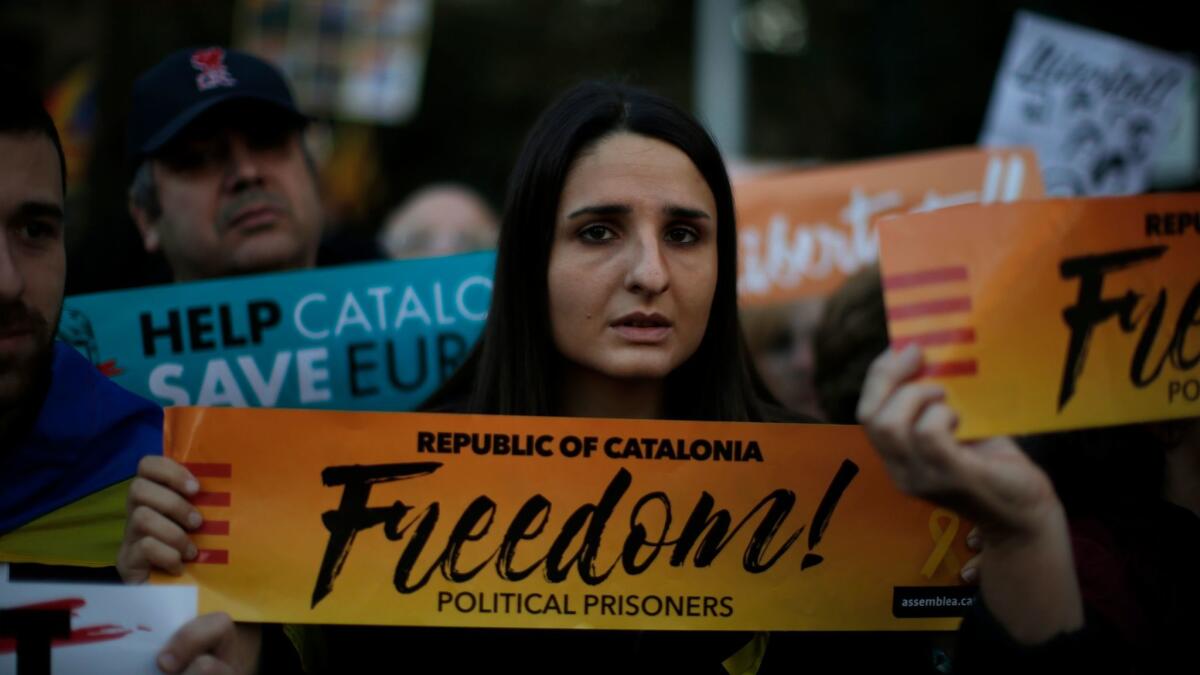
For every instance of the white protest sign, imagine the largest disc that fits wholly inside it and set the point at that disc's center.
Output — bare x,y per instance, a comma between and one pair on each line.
1096,108
114,628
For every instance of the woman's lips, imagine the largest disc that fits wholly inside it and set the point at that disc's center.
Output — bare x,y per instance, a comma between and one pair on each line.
646,335
641,328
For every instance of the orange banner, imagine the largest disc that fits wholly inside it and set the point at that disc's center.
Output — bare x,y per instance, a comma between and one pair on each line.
802,233
457,520
1052,315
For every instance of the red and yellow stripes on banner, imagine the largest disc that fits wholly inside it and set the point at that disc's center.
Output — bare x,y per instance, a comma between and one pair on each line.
458,520
1052,315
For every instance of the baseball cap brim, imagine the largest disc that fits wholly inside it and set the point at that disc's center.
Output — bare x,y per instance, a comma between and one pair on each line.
189,115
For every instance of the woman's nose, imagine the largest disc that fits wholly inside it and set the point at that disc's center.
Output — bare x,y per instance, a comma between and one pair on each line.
648,272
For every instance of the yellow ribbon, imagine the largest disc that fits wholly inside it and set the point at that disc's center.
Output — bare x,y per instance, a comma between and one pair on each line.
942,540
749,658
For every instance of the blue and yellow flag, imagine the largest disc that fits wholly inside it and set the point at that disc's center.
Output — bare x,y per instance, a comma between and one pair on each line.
63,487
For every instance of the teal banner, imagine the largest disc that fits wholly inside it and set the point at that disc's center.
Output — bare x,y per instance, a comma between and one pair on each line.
379,336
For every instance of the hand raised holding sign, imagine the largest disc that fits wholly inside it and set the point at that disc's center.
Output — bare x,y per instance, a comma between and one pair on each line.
160,516
212,644
1028,575
992,481
156,537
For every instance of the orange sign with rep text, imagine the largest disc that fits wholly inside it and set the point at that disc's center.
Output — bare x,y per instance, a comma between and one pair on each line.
491,521
1052,315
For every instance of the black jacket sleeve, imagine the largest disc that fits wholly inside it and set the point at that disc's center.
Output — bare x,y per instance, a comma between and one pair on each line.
986,647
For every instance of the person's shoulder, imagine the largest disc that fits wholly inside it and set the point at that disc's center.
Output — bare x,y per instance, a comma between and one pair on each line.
89,402
73,374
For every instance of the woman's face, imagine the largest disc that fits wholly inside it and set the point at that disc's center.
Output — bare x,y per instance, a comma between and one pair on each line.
633,266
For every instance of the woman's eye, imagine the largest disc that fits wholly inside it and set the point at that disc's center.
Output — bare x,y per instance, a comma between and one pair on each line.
597,233
682,235
38,230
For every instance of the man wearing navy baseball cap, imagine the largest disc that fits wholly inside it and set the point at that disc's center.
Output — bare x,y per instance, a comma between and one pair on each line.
224,185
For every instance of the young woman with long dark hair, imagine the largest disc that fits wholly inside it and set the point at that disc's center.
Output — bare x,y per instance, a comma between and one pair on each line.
614,296
619,203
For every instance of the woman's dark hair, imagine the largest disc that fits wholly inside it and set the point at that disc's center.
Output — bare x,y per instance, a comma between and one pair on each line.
515,369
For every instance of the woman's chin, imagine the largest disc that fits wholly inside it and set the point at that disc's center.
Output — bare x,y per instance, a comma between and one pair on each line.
638,369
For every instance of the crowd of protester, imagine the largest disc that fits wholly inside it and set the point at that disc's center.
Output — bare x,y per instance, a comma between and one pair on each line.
614,296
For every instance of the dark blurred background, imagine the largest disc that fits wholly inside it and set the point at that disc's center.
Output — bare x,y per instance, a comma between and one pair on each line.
822,80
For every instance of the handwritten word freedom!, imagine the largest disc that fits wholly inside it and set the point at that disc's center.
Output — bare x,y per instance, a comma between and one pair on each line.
705,534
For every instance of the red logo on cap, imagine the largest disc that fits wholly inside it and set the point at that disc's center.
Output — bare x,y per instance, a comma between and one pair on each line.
213,73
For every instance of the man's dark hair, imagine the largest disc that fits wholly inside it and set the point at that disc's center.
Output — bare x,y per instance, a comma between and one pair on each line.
515,368
23,113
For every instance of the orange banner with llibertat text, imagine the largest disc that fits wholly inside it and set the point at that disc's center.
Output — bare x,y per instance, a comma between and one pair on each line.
528,522
801,233
1052,315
